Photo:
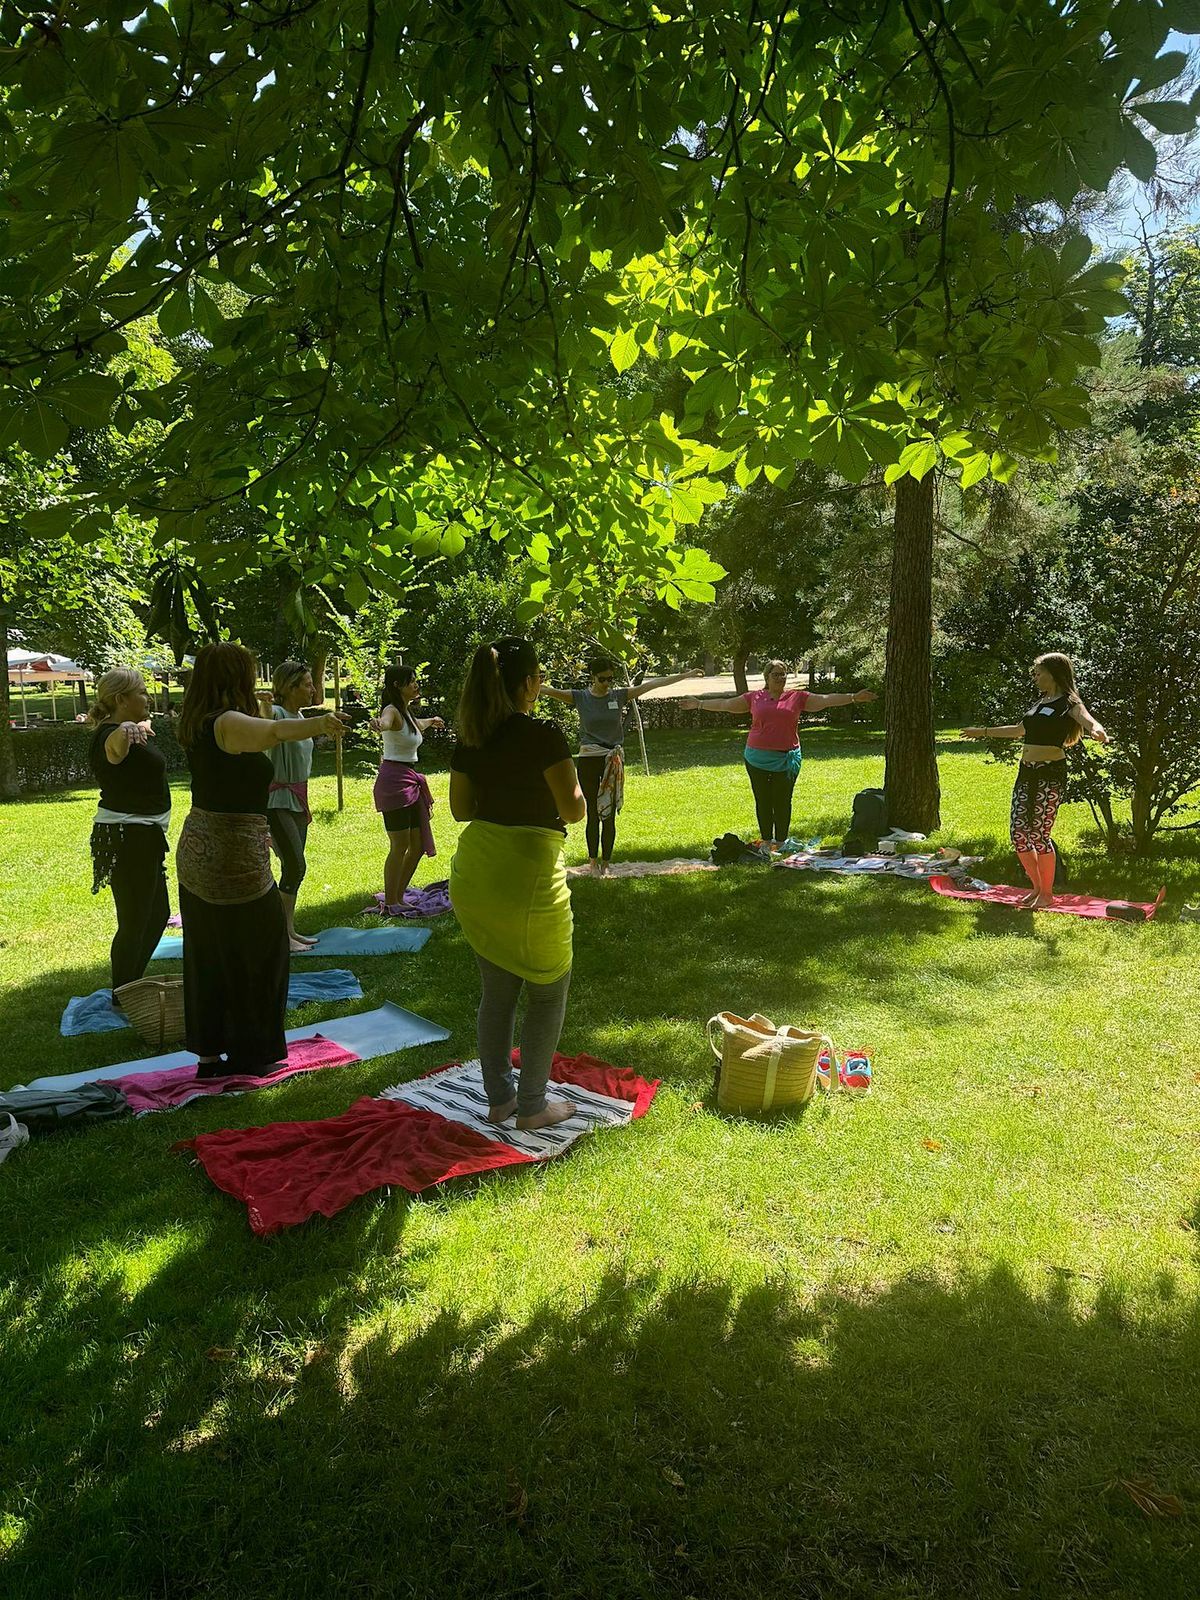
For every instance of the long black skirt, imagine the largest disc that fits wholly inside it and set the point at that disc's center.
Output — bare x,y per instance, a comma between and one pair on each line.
235,980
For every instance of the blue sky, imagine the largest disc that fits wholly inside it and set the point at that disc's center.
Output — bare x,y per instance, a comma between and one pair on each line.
1124,228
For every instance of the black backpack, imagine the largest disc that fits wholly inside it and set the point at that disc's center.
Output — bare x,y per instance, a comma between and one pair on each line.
868,822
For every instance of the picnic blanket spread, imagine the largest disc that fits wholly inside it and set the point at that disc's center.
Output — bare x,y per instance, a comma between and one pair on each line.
95,1013
365,1034
924,867
415,1135
164,1091
645,869
431,901
332,942
1074,905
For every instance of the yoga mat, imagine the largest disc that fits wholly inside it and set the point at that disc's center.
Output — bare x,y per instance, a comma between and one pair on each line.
333,942
95,1013
366,1034
1074,905
645,869
289,1171
178,1086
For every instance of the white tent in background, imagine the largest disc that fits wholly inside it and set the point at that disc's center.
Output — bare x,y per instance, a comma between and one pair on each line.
29,666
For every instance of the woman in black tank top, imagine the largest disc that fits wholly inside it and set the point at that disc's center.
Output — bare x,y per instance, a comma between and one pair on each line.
1057,720
235,943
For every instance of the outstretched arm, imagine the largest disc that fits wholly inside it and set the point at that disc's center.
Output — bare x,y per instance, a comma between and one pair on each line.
1091,728
693,702
565,695
425,723
822,702
1014,730
647,684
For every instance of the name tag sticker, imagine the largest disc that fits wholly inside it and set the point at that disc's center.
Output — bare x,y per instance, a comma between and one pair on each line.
614,705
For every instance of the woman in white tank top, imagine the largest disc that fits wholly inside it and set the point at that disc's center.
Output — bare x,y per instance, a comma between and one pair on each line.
402,795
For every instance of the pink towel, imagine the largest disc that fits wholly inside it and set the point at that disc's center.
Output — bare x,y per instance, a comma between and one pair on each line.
162,1091
1074,905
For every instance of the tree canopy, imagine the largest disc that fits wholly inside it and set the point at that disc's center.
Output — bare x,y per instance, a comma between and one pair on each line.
419,243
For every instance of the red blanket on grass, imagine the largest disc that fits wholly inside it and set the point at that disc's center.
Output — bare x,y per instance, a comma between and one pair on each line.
289,1171
1073,905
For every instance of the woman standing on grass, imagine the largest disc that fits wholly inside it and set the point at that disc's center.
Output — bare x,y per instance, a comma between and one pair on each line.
513,782
773,753
235,942
601,759
1057,720
288,814
401,792
129,835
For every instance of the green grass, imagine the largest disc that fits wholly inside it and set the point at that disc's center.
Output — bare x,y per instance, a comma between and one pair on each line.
900,1346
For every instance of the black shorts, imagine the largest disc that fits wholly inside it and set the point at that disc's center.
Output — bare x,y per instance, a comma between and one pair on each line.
404,819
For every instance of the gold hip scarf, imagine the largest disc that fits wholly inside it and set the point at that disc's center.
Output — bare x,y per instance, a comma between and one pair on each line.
224,857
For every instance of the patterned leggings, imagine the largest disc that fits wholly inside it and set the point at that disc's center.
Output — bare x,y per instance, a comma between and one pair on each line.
1037,795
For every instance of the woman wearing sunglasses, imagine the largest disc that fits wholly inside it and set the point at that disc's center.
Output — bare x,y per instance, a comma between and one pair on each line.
601,759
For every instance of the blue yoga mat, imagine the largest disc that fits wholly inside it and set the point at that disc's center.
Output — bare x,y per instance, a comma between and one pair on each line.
95,1013
370,1033
332,942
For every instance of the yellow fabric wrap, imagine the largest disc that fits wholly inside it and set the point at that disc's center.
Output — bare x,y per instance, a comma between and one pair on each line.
508,887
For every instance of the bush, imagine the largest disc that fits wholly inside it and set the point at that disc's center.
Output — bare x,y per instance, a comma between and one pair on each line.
56,757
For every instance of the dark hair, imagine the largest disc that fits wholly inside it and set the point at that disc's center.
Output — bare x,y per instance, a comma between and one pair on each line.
395,678
286,676
222,679
598,664
1062,670
488,696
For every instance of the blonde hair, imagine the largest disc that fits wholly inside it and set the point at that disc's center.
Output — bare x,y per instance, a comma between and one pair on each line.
488,696
119,681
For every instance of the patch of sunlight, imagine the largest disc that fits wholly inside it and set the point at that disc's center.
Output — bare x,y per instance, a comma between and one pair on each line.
136,1265
12,1531
205,1432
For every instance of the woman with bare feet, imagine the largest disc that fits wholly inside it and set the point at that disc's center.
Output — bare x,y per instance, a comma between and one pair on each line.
402,794
1057,720
513,782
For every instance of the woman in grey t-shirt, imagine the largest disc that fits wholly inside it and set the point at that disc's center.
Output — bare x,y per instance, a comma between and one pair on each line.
601,760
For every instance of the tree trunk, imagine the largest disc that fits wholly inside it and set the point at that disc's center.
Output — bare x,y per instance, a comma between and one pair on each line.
320,657
910,771
740,685
10,786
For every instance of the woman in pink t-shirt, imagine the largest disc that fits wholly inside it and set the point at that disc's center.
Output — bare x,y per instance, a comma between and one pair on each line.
773,744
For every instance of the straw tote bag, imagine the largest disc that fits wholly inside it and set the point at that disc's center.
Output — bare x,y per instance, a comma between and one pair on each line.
765,1068
154,1007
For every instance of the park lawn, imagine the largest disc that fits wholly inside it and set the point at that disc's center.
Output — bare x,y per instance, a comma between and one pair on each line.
914,1344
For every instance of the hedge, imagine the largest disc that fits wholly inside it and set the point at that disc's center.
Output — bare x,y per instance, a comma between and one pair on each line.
56,756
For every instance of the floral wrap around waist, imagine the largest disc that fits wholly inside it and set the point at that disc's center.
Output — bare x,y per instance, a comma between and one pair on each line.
224,857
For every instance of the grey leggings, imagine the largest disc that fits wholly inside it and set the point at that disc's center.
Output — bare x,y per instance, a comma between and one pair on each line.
545,1008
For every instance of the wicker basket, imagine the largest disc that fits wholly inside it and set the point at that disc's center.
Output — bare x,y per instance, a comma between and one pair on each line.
154,1007
764,1068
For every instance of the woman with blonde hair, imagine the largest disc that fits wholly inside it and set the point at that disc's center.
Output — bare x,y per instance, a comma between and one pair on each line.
1056,721
773,754
513,782
288,814
129,834
235,943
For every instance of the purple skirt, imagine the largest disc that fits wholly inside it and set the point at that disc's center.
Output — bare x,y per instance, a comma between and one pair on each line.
399,785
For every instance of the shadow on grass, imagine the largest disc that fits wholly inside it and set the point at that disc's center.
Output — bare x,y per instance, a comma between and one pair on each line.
249,1422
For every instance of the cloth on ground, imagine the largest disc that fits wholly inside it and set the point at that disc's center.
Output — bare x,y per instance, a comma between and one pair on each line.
909,866
289,1171
1074,905
334,942
367,1033
12,1136
163,1091
44,1109
95,1013
645,869
433,900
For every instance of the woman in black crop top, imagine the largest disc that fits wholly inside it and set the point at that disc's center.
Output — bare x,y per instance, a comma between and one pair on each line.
1056,721
129,835
513,782
235,944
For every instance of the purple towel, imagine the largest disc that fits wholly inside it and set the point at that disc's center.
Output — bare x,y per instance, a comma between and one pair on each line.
431,901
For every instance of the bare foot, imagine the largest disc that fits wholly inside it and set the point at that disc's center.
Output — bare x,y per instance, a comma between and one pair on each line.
1025,903
301,938
301,947
1043,902
556,1111
502,1113
605,868
594,868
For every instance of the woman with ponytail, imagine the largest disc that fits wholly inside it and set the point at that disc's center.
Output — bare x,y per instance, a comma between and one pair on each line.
1057,720
401,792
129,836
513,782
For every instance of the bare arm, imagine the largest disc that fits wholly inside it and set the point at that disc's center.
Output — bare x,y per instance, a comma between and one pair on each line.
122,739
425,723
822,702
1091,728
240,735
1013,730
693,702
565,695
463,800
647,684
564,786
386,720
